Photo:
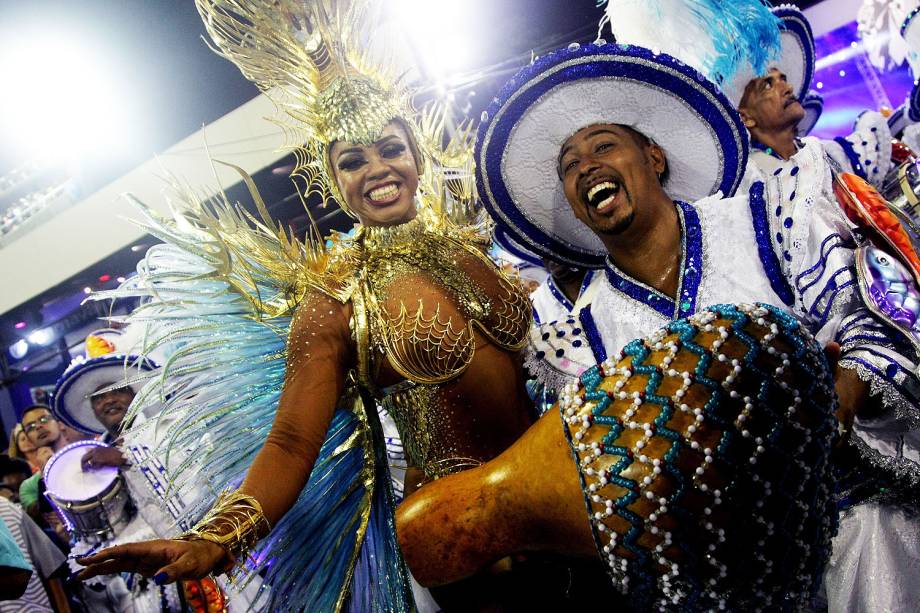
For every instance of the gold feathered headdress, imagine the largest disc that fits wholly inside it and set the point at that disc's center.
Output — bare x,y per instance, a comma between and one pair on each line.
312,58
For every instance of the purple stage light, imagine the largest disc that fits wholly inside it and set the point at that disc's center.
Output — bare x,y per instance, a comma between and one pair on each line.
850,84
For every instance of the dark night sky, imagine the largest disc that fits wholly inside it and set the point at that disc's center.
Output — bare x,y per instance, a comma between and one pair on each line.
171,83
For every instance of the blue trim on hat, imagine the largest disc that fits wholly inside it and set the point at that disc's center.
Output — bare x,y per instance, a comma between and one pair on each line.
907,20
813,101
505,241
72,375
590,62
913,102
794,22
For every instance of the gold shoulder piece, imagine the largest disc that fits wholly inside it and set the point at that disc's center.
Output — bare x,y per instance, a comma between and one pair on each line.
263,263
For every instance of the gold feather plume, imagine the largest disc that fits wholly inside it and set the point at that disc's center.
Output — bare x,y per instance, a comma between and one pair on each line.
313,59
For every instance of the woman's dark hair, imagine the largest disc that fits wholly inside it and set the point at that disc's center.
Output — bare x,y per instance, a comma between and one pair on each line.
14,466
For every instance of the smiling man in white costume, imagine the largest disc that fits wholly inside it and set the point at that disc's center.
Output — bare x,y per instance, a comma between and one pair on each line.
638,149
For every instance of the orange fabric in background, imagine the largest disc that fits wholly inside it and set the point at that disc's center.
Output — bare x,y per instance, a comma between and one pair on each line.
204,596
872,210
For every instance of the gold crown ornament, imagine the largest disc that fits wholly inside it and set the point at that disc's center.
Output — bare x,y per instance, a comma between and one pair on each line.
316,61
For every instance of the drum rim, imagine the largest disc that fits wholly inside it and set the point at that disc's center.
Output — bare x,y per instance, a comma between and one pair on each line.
46,471
88,504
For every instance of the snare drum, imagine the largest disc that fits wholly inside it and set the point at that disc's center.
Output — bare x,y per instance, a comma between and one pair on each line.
94,505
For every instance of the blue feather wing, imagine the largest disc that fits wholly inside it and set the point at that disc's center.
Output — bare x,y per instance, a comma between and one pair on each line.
216,397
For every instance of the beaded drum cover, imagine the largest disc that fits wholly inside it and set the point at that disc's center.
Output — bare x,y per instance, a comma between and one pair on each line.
704,453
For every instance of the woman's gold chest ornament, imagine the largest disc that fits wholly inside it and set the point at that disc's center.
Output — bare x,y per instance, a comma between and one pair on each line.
426,291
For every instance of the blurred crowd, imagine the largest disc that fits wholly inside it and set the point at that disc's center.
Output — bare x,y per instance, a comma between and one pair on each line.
37,532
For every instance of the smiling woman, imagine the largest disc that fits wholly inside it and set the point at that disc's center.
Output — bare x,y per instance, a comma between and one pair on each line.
379,181
409,314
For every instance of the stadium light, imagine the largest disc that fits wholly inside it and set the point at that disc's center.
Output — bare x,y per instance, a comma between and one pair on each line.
60,101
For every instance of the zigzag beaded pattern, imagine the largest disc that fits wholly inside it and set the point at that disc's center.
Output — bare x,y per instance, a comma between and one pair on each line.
704,457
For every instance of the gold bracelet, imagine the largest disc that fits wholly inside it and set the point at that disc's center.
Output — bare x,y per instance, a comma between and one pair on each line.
235,522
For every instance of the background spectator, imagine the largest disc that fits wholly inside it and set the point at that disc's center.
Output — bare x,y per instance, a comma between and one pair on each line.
22,447
47,560
43,430
13,471
15,571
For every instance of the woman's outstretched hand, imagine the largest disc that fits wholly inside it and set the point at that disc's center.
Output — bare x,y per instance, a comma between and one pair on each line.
166,561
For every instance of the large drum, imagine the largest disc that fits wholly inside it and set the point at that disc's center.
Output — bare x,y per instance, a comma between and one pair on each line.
701,455
94,505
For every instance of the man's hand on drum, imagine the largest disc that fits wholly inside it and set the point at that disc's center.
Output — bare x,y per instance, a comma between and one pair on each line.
99,457
166,561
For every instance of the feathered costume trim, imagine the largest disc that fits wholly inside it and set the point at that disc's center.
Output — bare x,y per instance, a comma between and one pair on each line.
728,42
330,81
219,296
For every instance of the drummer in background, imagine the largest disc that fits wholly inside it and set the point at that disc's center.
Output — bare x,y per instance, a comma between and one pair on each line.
110,407
93,396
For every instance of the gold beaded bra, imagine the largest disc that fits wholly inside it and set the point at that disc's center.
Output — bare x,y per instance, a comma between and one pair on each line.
452,285
420,291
